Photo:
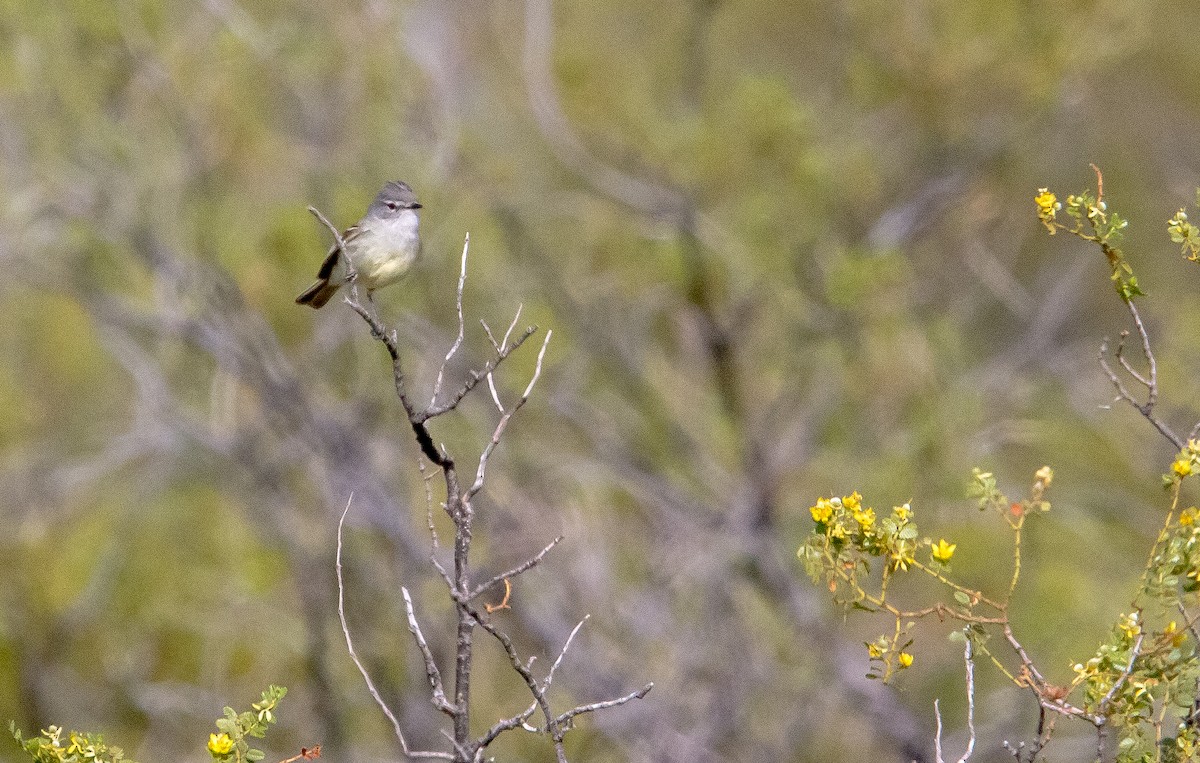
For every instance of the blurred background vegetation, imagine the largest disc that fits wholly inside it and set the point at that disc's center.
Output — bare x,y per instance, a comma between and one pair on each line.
787,249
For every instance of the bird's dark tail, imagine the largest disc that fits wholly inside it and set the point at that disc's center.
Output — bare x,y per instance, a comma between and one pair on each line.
318,294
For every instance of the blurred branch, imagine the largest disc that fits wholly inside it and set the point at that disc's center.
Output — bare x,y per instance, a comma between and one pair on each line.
1149,381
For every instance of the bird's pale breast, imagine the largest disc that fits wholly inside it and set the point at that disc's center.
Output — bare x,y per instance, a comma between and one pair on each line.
386,254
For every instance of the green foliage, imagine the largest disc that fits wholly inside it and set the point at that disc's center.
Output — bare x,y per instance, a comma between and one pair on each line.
78,747
1185,233
229,745
232,744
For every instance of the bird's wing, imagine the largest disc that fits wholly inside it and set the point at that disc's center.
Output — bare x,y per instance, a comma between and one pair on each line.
331,259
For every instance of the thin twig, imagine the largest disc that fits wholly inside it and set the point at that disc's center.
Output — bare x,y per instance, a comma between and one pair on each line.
431,669
524,566
513,325
491,378
1150,381
426,478
1152,384
481,473
522,668
351,271
937,733
337,236
496,395
1102,707
473,379
462,280
358,663
520,718
491,337
563,652
968,657
1026,662
1129,369
593,707
306,753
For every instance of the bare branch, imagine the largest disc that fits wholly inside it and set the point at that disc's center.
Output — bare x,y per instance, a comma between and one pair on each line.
431,669
526,565
563,652
425,479
593,707
537,371
337,236
473,379
507,724
496,395
937,733
358,663
1026,662
1149,380
556,726
500,427
968,658
550,676
306,753
512,325
1129,369
539,695
462,280
491,378
1102,708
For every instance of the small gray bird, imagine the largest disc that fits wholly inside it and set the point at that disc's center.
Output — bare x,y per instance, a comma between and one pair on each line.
382,246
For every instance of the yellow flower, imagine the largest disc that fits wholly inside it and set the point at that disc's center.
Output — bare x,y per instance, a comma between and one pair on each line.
852,501
874,651
865,518
1173,634
1129,625
1045,475
1189,516
901,558
905,659
822,511
1048,206
902,513
219,745
78,744
942,551
1045,199
1182,466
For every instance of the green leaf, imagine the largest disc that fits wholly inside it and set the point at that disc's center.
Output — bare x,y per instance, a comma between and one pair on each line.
962,599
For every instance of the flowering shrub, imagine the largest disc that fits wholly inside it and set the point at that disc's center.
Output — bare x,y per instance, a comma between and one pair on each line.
1143,680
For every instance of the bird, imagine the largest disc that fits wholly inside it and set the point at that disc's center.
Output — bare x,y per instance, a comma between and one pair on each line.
382,247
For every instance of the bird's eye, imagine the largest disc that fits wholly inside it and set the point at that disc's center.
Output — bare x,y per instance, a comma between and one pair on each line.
391,205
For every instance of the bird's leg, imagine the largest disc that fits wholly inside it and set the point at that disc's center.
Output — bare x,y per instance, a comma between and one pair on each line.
374,311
